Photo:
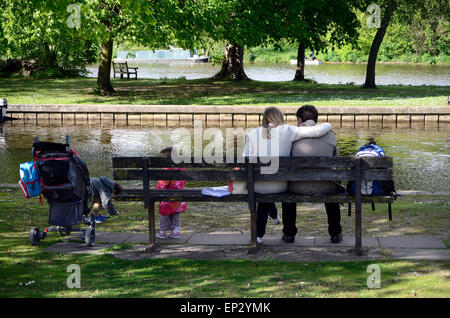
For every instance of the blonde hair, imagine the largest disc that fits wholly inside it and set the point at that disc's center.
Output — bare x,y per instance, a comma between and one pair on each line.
273,117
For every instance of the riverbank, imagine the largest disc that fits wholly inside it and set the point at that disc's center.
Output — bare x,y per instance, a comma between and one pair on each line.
222,115
212,92
344,55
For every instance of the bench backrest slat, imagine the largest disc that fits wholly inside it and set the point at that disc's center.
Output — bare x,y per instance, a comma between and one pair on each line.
281,175
290,169
123,67
296,162
199,175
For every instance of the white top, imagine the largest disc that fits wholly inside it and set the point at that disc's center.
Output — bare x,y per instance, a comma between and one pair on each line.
278,145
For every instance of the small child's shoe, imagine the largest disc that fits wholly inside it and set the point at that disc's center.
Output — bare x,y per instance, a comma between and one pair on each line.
161,235
175,235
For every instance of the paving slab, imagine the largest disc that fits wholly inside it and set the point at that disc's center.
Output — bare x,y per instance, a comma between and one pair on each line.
421,241
347,241
77,248
275,240
219,239
112,237
421,254
143,238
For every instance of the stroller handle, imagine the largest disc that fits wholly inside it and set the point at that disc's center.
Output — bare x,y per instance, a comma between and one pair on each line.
34,142
67,143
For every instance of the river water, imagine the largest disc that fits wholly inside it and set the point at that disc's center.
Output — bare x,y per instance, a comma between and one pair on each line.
386,74
421,157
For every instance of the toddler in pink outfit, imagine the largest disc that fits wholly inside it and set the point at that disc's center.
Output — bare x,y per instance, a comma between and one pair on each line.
170,212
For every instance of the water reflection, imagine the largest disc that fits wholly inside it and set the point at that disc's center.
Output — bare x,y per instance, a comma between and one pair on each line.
421,157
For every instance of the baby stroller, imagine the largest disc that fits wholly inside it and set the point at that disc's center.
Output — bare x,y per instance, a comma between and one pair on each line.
65,183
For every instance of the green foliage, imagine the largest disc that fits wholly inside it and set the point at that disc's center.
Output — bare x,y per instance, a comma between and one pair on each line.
407,42
37,33
117,19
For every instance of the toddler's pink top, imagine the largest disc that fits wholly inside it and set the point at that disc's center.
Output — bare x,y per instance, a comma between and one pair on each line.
167,208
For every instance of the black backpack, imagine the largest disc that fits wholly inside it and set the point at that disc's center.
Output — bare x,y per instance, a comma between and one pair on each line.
64,180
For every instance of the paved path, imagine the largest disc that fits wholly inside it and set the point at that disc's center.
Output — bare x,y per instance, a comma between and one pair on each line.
424,247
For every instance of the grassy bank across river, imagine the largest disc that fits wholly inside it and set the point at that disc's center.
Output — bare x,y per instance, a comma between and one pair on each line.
212,92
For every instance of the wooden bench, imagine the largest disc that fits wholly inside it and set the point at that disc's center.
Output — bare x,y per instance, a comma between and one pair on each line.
123,68
293,169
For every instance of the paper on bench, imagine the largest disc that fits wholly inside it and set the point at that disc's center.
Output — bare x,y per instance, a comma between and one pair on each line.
216,191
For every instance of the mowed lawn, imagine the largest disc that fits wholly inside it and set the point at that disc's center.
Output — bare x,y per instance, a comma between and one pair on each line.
27,271
211,92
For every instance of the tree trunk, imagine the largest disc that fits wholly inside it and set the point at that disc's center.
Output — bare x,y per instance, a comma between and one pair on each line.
376,43
104,68
233,64
300,70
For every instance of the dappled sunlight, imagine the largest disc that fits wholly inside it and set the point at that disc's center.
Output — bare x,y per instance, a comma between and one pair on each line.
211,92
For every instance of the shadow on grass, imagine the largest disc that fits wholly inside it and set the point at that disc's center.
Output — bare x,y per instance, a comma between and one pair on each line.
106,276
207,91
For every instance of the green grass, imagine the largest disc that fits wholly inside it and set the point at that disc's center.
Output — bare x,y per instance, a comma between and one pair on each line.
106,276
212,92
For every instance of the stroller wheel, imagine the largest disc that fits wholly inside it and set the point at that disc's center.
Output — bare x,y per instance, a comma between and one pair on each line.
90,237
34,236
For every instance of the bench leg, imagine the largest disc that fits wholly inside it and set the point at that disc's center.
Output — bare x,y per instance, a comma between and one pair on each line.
253,244
358,232
154,243
358,208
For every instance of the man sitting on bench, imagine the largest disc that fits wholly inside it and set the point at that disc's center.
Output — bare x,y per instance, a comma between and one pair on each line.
324,146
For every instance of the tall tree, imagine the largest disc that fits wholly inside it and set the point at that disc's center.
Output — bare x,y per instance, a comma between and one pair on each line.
314,25
388,13
237,23
109,20
404,11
